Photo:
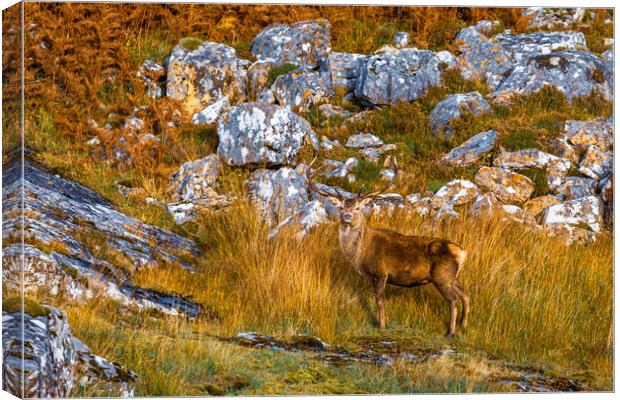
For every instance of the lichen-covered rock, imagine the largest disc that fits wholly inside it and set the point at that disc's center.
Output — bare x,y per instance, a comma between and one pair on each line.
596,163
343,69
401,39
387,203
455,193
258,78
585,211
209,200
278,194
55,363
472,150
574,187
193,177
537,205
540,17
211,113
154,76
509,187
363,140
301,89
331,111
304,43
575,73
255,134
517,214
599,133
453,107
59,214
556,167
201,76
329,145
373,153
309,216
339,169
403,75
485,204
560,147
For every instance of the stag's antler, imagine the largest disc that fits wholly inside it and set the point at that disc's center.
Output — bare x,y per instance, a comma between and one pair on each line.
387,186
310,173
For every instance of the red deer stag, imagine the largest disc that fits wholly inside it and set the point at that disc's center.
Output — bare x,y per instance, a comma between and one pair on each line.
385,256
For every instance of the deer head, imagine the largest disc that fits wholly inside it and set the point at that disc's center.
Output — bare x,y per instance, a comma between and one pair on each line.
350,209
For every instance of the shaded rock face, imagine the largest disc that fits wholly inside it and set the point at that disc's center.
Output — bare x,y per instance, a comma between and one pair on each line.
194,177
343,69
154,76
509,187
61,214
202,76
301,89
575,73
256,133
401,75
585,211
55,362
455,193
278,194
304,43
472,150
453,107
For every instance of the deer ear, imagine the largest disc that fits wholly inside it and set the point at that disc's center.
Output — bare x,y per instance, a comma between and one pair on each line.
335,201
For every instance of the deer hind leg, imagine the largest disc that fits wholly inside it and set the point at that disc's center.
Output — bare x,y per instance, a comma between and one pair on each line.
464,296
379,285
448,293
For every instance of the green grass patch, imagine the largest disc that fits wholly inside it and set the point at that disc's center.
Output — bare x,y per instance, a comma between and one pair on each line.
190,43
539,177
279,70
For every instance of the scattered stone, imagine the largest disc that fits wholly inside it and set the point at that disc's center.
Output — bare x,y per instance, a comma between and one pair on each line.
596,163
536,206
343,69
509,187
188,211
556,167
585,211
278,194
575,73
193,178
309,215
583,133
387,174
373,153
552,17
154,76
210,114
301,89
330,111
453,107
255,133
455,193
93,142
258,79
387,203
485,204
403,75
54,362
329,144
401,39
472,150
363,140
304,43
574,187
203,75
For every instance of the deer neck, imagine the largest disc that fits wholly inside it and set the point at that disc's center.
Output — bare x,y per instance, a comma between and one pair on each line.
351,239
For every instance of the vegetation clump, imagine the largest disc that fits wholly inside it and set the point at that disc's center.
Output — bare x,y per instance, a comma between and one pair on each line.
190,43
279,70
31,307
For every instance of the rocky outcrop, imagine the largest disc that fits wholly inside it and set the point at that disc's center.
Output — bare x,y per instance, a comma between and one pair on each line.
200,74
556,167
401,75
343,69
301,89
66,224
472,150
278,194
401,39
194,177
55,363
363,140
509,187
596,163
262,134
154,76
455,193
575,214
211,113
454,107
304,43
540,17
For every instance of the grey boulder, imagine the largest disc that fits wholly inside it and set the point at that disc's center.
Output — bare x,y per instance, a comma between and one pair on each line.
454,107
472,150
301,89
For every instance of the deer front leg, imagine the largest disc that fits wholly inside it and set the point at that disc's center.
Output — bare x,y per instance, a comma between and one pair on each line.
379,284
